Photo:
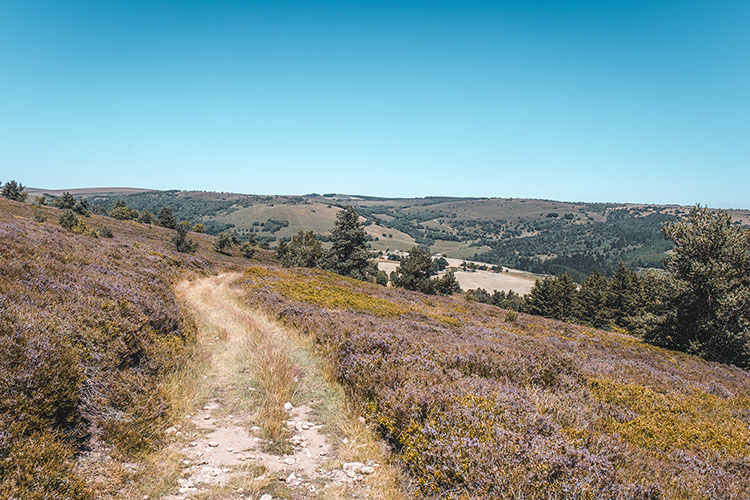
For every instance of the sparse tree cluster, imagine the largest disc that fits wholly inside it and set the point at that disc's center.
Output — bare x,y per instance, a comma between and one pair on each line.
304,250
701,305
416,271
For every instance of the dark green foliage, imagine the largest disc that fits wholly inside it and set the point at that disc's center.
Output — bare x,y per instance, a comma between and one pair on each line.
40,200
381,278
146,217
711,267
39,216
68,219
499,298
593,298
224,243
181,242
553,297
622,294
440,263
13,191
303,250
65,202
81,207
415,272
105,232
247,250
166,219
447,284
349,255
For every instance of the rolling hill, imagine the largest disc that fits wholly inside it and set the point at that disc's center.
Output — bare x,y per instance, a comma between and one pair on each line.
540,236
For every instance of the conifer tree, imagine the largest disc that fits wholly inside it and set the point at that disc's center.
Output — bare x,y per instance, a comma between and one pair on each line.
166,219
13,191
349,255
592,301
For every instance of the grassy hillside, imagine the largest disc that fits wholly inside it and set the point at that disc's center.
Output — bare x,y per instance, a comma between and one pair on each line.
541,236
480,405
88,330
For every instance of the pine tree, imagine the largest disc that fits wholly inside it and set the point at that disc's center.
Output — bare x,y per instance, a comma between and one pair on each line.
304,250
415,271
349,255
181,242
166,219
711,269
13,191
624,288
592,301
553,297
66,201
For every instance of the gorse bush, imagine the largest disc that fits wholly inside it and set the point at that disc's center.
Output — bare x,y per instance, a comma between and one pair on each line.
482,403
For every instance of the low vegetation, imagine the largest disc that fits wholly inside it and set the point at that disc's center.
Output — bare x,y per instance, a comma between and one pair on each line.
481,403
88,327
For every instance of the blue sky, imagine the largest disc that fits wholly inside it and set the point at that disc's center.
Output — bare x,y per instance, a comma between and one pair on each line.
598,101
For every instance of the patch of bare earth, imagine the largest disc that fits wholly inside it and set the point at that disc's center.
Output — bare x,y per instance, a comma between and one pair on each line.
238,440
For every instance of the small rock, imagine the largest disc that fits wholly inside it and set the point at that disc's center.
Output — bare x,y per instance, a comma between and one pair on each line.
289,460
345,440
351,473
230,450
367,469
323,453
170,430
305,426
255,428
213,444
186,462
207,417
266,496
291,478
205,377
288,406
192,444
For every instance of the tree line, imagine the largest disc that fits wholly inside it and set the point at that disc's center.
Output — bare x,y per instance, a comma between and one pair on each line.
700,303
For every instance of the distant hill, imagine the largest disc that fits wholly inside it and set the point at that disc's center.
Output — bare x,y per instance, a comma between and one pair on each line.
541,236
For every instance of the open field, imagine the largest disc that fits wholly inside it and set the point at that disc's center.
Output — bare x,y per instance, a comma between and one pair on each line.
514,280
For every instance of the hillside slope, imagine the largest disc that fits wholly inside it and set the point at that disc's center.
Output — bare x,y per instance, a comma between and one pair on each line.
480,405
89,328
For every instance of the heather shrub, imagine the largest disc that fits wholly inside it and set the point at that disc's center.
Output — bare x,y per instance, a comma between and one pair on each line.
87,330
247,250
105,232
224,243
483,403
38,466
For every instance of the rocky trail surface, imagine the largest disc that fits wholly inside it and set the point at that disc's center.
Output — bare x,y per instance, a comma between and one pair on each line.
322,449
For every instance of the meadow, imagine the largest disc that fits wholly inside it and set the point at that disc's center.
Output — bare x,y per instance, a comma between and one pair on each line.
480,403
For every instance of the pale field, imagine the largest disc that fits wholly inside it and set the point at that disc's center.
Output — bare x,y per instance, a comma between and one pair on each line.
517,281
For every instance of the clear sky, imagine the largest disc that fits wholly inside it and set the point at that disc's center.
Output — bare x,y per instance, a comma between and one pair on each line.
642,101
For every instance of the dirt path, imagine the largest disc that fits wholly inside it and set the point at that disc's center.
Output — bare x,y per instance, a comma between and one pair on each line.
249,435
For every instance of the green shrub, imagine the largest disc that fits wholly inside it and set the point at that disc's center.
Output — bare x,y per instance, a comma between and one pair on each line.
247,250
105,232
68,219
224,243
